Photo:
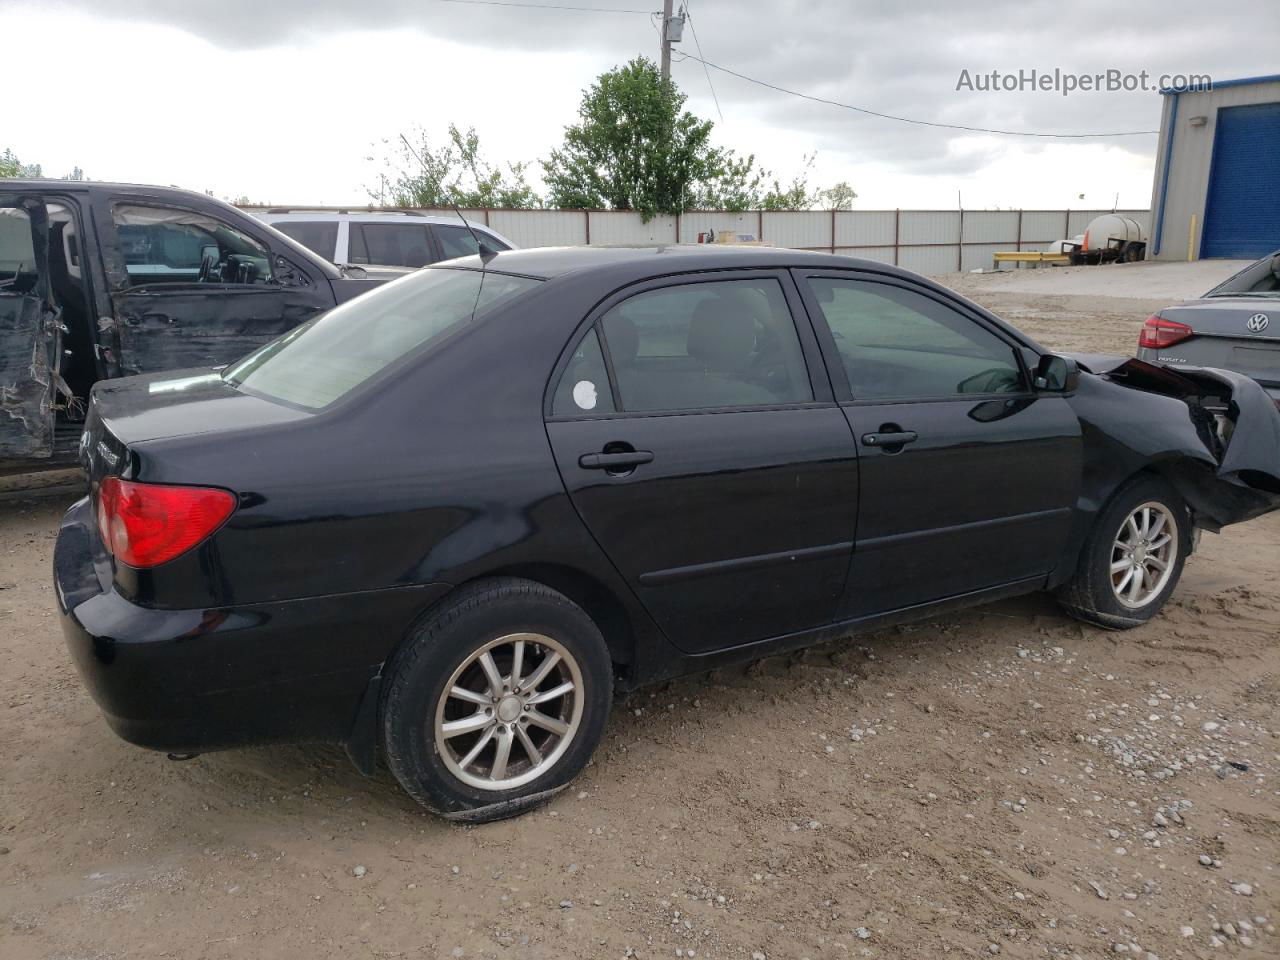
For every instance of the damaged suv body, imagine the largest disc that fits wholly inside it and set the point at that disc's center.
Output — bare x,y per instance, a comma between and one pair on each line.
101,280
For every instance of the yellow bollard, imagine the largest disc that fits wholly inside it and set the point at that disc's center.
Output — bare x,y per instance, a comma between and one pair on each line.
1191,238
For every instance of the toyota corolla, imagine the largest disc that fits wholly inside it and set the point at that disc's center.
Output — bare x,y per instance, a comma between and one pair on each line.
448,521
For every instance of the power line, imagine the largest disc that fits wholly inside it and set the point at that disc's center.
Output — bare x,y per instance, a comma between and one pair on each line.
922,123
543,6
694,31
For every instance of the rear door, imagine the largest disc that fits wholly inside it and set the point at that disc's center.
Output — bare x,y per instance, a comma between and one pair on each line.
717,474
30,330
967,478
192,288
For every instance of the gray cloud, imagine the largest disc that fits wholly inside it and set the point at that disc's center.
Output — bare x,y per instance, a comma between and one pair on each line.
893,57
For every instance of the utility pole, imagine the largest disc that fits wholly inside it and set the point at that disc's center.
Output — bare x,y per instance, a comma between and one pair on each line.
672,32
666,38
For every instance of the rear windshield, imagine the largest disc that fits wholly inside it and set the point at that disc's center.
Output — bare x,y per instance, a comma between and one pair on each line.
328,357
1261,279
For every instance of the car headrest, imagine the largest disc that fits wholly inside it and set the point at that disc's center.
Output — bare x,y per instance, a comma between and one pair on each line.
624,339
721,336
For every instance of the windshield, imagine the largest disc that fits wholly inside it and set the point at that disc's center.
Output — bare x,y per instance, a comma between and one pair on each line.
328,357
1261,279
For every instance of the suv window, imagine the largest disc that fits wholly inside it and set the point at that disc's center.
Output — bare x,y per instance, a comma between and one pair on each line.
895,342
727,343
317,236
170,245
389,244
458,242
584,386
17,252
317,363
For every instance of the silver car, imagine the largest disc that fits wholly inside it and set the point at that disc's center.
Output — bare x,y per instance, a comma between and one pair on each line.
1235,326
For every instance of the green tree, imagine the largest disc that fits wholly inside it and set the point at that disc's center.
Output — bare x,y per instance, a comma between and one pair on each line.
635,147
839,197
453,174
11,166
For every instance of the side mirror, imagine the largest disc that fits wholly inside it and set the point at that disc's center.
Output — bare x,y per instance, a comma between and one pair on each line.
1057,374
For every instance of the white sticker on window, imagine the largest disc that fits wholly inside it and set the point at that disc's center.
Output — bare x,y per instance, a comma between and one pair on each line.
584,394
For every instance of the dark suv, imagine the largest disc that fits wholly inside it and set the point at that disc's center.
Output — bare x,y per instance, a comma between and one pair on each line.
104,280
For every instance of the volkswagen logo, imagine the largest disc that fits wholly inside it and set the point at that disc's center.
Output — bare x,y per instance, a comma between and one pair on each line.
1257,323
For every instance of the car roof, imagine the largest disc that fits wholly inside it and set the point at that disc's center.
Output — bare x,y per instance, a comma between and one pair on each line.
373,216
546,263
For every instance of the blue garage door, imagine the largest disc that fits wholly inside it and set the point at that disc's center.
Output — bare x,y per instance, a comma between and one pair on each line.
1242,215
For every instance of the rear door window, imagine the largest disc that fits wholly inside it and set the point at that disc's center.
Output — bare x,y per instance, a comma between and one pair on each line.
584,385
709,345
390,244
316,235
458,241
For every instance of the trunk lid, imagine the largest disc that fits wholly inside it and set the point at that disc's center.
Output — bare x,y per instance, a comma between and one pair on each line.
1236,333
130,411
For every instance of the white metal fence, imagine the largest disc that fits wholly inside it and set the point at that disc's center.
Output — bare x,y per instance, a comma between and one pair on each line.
926,241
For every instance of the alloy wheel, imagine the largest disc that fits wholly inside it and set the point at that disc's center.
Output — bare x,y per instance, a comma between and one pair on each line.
1143,554
509,712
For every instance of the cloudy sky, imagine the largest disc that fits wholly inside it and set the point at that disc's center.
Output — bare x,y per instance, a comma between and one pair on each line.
286,100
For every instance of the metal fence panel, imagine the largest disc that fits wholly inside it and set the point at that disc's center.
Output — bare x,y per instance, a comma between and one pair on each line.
621,227
929,226
928,260
1042,227
859,228
797,228
924,240
878,254
978,255
991,226
541,228
1080,219
705,221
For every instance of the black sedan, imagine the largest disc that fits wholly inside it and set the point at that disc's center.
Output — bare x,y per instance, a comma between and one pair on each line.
453,517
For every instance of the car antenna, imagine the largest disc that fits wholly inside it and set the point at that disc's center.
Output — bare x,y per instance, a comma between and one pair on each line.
485,253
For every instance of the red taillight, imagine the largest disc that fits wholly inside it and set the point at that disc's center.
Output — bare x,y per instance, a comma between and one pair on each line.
1158,332
147,524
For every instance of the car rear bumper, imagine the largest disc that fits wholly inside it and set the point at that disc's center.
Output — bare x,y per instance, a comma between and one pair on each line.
194,680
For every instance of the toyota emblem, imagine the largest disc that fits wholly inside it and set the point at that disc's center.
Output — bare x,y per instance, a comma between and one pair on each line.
1257,323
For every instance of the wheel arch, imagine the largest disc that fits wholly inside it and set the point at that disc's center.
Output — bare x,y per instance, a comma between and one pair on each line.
595,598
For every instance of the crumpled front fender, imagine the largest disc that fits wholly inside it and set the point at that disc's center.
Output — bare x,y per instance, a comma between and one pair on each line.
1214,434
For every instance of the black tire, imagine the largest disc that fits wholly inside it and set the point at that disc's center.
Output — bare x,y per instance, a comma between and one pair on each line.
476,616
1089,595
1135,252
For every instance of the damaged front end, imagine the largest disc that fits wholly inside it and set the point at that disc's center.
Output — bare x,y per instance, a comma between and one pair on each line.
1214,434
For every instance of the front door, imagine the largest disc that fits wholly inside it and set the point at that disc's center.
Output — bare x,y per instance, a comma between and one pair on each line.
191,289
718,476
30,331
968,478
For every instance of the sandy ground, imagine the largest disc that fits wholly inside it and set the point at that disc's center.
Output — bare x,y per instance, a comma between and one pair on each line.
1004,780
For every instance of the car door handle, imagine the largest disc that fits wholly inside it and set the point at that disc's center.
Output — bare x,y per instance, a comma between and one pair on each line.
614,461
894,439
